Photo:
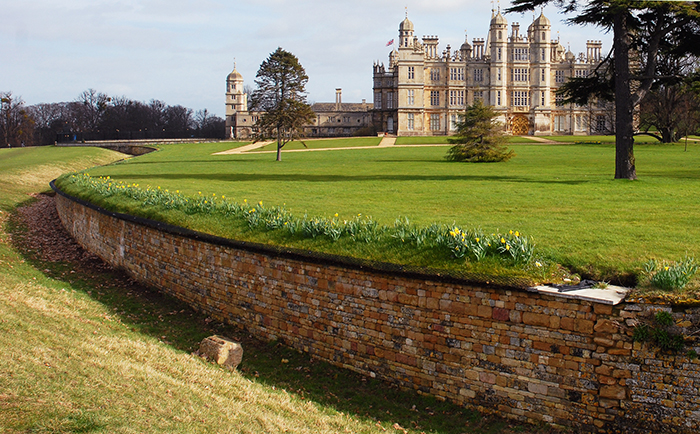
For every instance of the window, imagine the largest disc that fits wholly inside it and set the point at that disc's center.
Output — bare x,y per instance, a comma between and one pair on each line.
544,38
479,75
377,83
542,80
579,122
499,74
411,72
456,74
390,100
453,122
600,124
559,100
542,97
498,98
435,74
434,97
478,95
500,55
520,98
519,74
559,123
456,97
559,76
378,100
411,99
543,53
411,121
580,73
435,122
520,54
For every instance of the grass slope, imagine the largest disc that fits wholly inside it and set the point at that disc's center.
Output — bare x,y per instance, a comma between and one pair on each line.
562,195
89,351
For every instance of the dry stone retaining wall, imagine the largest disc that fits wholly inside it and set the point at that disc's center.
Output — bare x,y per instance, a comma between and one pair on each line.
525,355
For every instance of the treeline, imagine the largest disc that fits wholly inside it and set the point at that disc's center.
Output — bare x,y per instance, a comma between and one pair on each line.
97,116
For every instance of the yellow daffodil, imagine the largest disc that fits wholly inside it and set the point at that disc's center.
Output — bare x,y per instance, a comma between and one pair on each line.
503,240
517,234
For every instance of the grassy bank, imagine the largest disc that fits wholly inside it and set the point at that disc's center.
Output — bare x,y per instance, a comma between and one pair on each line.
563,196
84,349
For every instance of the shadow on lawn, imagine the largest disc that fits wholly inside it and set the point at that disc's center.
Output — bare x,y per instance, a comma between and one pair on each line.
228,177
153,314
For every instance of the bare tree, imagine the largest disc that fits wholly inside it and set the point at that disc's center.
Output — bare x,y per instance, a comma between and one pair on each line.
16,125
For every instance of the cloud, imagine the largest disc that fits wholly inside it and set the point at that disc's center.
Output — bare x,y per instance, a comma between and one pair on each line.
180,51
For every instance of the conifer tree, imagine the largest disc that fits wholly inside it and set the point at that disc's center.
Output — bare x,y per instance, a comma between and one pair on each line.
281,96
479,137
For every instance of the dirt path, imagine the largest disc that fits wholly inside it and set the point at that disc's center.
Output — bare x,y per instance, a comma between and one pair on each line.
246,148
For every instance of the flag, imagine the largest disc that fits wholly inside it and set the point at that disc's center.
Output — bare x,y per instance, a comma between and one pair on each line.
390,43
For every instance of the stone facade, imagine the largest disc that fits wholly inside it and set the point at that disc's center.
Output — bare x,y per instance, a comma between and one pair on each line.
332,119
525,355
423,90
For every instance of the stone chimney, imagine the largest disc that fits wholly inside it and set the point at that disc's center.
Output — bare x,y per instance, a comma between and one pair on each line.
338,99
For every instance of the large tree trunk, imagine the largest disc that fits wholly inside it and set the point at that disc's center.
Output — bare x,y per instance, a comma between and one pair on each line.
279,144
624,138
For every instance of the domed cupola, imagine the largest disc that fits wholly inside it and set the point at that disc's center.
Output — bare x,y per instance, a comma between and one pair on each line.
405,32
499,20
542,21
406,26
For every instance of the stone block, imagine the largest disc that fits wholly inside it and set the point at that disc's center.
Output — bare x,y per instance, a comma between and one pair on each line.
605,326
613,392
223,351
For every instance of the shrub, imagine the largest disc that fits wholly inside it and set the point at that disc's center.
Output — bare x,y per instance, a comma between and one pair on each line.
671,276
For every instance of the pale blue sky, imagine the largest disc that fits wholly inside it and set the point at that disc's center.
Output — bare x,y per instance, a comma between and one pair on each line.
180,51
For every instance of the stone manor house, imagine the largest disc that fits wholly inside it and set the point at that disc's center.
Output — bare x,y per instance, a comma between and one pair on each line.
423,90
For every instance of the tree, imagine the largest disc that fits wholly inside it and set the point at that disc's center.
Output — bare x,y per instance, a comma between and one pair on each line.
16,125
281,96
479,137
638,27
89,110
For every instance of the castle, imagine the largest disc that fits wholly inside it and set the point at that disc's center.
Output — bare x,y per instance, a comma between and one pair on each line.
423,91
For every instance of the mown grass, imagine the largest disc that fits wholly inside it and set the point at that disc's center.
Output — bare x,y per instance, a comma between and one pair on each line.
85,350
564,196
444,140
324,143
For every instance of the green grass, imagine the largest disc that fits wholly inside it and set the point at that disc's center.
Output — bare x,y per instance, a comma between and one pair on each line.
325,143
85,350
443,140
563,196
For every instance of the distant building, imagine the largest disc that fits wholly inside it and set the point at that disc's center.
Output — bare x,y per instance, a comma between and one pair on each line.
239,121
423,90
332,119
340,119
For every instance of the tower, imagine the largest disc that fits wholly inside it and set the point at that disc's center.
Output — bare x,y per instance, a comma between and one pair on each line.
236,99
498,47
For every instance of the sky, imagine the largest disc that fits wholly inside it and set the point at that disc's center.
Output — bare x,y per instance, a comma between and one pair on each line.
181,51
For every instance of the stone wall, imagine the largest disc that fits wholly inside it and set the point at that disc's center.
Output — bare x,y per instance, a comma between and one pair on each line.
526,355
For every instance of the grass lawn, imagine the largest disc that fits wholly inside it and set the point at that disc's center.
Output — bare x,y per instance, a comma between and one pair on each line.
325,143
85,350
563,196
442,140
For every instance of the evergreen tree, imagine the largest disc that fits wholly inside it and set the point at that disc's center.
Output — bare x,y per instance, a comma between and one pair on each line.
479,137
281,96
